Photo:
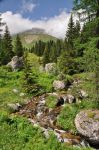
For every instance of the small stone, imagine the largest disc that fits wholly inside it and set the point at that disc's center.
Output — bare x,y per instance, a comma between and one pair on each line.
22,94
13,107
82,94
15,90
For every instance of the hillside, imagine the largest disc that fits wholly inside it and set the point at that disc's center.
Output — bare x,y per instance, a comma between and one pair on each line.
30,37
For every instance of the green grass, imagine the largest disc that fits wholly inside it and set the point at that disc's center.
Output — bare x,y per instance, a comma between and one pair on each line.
68,113
9,81
17,133
51,101
46,80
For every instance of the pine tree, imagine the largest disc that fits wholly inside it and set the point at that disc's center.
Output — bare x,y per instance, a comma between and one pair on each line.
29,78
7,46
18,48
70,34
67,64
1,41
46,56
77,29
59,46
53,53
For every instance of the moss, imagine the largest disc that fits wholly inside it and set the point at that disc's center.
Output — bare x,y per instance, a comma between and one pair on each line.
91,114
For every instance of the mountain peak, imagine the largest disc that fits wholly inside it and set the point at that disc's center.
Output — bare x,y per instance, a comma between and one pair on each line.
35,31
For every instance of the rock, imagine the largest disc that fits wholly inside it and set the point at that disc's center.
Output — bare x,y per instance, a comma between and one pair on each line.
52,94
14,107
70,99
15,90
16,63
46,134
50,68
58,85
60,101
84,143
82,94
87,124
22,94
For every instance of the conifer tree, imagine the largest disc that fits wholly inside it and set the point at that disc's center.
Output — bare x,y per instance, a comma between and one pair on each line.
7,46
70,34
46,57
53,54
59,46
29,78
77,29
1,41
18,48
67,64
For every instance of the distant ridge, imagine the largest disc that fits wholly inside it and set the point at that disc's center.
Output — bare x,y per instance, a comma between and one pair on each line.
31,36
35,31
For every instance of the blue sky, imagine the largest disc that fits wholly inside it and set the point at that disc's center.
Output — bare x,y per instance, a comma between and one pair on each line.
42,8
51,15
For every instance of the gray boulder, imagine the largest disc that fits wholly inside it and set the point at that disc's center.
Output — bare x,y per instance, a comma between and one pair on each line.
16,63
87,124
70,99
50,68
82,94
14,107
59,85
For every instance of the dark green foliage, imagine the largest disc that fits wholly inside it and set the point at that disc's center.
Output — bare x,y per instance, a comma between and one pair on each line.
70,34
91,59
38,48
67,64
77,29
18,48
59,47
91,29
29,78
7,47
46,56
53,54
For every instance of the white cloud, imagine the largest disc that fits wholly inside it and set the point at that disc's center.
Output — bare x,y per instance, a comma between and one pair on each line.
55,26
27,6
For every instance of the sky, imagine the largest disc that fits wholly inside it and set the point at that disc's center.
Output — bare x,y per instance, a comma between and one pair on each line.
51,15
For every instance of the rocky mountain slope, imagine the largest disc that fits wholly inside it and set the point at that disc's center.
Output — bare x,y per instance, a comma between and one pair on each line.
33,35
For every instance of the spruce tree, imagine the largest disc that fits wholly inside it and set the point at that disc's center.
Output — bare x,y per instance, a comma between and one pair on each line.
59,46
46,56
77,29
1,41
67,64
18,48
7,46
29,78
70,34
53,54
